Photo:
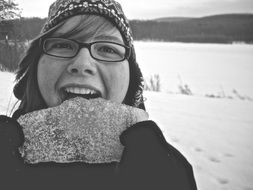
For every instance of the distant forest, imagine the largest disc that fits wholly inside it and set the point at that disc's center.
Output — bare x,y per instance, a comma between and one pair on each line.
212,29
229,28
226,28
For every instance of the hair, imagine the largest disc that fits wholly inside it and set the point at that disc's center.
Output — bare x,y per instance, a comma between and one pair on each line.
32,99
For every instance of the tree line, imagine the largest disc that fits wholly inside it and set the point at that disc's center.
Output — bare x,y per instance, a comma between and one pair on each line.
212,29
16,33
23,29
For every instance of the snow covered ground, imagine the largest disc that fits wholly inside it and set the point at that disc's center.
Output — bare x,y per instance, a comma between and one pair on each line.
205,68
214,134
7,98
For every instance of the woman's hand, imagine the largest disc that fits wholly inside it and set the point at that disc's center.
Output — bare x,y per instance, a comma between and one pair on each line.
78,130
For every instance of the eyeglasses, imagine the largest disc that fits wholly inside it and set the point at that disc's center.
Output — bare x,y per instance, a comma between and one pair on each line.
99,50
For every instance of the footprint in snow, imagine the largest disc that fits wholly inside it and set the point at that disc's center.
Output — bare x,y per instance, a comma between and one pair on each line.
248,188
213,159
223,181
229,155
198,149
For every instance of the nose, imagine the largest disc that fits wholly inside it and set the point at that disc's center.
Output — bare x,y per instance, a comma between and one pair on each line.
82,64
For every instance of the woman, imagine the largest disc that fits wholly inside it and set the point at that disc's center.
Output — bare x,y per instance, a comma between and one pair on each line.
80,80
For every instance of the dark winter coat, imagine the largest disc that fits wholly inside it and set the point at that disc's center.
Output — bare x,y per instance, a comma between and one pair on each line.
148,162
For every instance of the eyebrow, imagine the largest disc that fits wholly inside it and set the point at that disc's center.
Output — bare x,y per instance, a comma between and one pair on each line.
109,38
100,37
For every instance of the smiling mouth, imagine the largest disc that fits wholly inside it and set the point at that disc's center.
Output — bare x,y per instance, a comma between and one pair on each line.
73,92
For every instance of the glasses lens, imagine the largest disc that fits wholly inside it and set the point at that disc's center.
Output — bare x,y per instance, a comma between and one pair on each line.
108,51
60,47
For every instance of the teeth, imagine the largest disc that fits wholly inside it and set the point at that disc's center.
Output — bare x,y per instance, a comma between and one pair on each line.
76,90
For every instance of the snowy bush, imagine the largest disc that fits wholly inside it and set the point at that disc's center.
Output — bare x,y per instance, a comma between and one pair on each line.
153,83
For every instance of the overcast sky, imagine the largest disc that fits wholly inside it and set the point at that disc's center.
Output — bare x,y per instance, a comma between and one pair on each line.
147,9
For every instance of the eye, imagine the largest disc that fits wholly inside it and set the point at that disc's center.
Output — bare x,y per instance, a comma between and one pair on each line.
62,45
107,49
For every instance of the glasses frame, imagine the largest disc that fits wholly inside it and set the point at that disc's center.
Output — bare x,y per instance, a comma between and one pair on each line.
85,45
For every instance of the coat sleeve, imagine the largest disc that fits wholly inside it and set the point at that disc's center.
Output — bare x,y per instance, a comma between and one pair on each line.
11,137
149,162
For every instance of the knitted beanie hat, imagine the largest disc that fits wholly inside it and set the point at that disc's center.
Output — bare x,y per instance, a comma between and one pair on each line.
61,10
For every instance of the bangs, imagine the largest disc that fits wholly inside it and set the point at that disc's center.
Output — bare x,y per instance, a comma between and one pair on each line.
84,27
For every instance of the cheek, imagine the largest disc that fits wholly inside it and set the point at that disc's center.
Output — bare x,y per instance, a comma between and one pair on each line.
45,73
48,73
123,79
118,82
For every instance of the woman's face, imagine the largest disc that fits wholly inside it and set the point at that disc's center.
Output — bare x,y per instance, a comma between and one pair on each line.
62,78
